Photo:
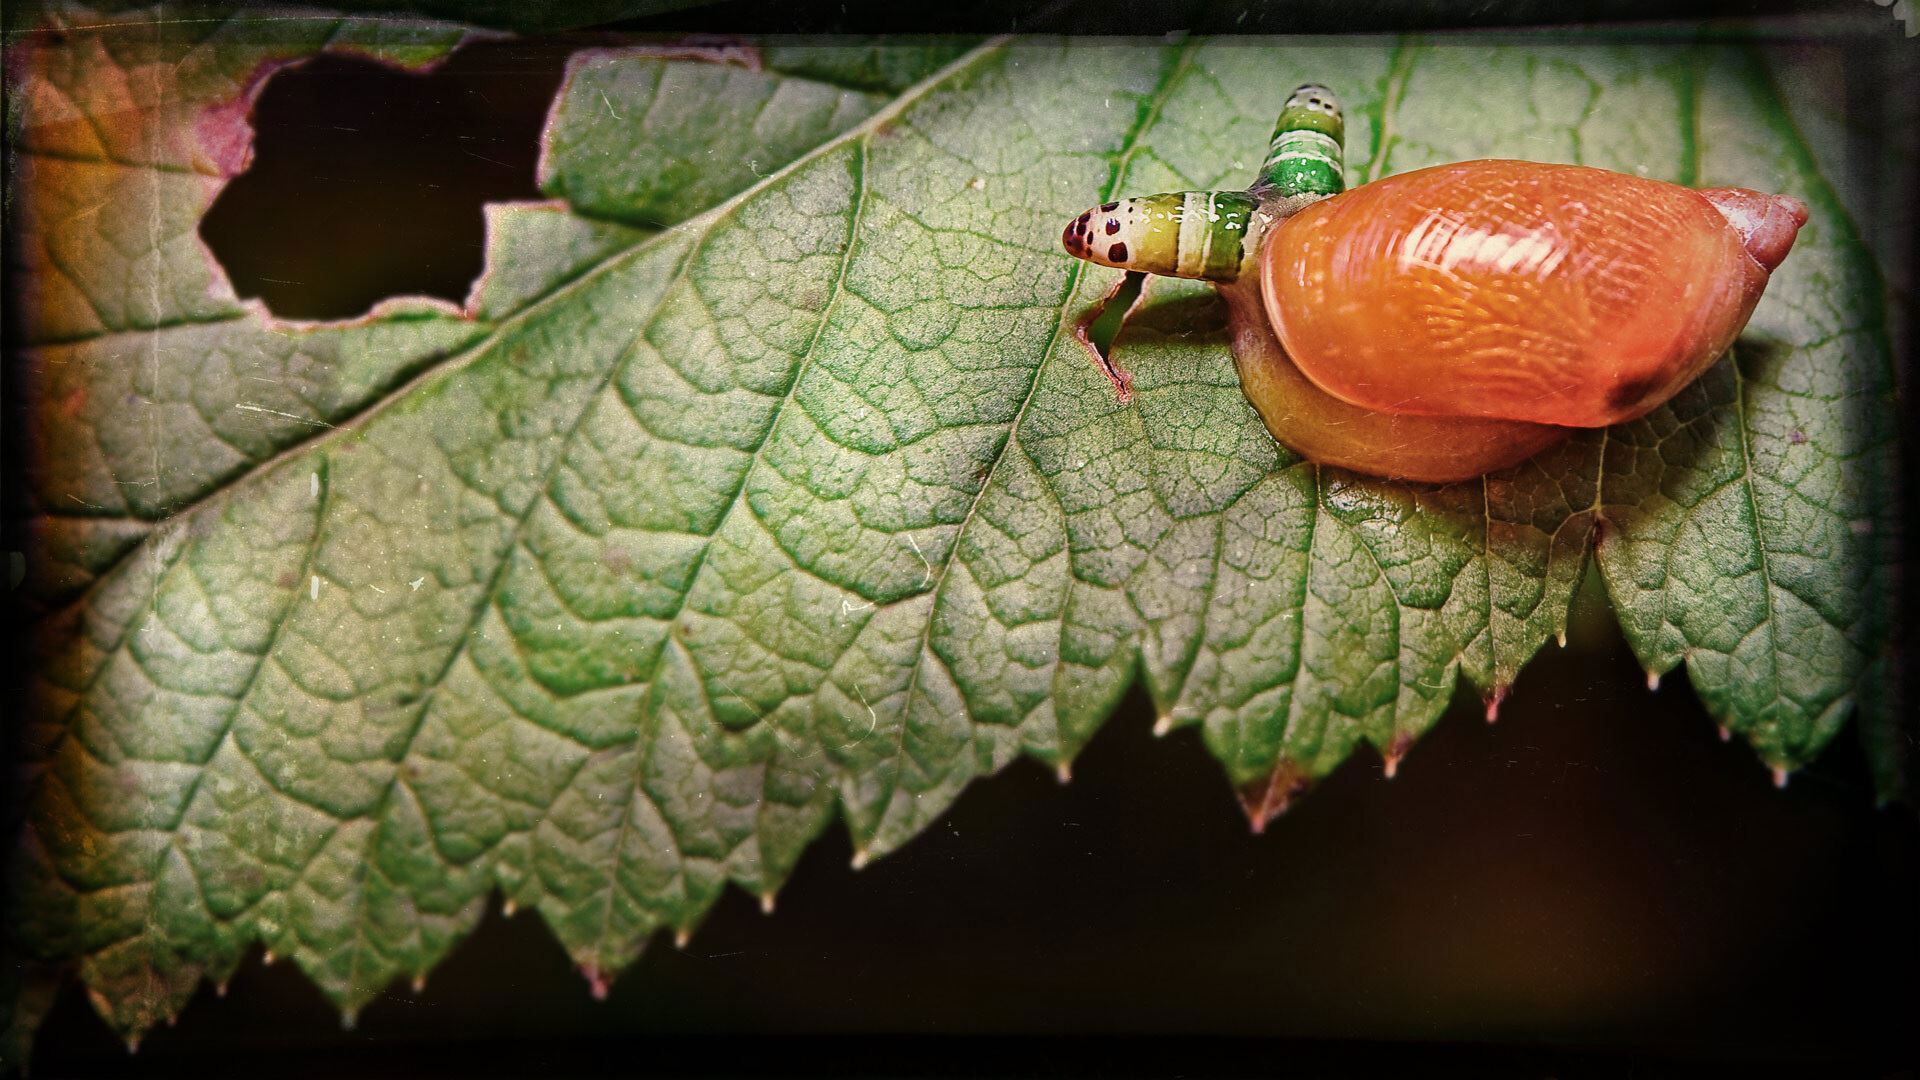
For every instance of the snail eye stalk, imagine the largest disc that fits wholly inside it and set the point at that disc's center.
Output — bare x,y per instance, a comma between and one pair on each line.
1305,156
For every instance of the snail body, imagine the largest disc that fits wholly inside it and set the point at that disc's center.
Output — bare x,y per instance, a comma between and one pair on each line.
1440,324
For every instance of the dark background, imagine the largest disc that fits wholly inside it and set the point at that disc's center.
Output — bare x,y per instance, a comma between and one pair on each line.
1595,885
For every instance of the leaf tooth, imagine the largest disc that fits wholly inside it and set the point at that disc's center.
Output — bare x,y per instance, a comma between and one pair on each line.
861,856
1494,699
1266,799
682,937
1653,682
1726,733
349,1019
1780,775
766,902
1396,750
597,983
1064,771
419,981
1162,726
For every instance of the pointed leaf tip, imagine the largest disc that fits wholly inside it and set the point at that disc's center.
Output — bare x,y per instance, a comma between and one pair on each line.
1064,771
1396,750
1653,682
1726,733
596,981
766,902
1780,777
682,937
860,859
509,908
1494,699
1264,800
1162,726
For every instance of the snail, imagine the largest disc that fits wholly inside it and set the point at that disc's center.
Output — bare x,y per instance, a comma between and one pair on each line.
1441,324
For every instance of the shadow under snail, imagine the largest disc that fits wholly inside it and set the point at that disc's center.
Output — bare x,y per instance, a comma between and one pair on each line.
1445,323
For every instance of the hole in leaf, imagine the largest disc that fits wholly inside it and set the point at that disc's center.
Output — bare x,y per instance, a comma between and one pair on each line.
367,180
1101,325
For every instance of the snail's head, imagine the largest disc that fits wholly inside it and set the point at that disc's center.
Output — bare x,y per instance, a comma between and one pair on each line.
1192,234
1767,224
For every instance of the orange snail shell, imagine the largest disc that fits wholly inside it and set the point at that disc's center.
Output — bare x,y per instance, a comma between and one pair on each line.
1445,323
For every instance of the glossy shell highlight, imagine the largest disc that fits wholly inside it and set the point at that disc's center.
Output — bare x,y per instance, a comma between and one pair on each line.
1515,291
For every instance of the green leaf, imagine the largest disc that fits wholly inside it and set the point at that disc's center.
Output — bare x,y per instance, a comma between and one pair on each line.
702,131
616,586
